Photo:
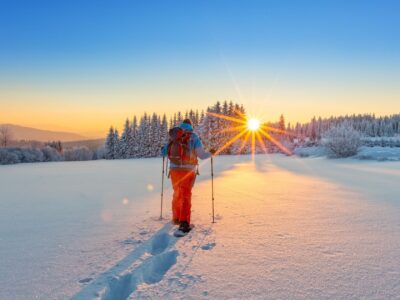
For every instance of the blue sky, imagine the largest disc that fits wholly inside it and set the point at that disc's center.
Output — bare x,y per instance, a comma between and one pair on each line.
126,57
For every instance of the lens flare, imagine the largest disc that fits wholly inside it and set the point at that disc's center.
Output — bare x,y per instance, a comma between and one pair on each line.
246,127
253,124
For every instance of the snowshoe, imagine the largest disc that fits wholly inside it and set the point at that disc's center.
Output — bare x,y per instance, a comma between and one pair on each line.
184,229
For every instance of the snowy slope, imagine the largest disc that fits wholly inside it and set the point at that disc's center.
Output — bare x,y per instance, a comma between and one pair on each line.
286,228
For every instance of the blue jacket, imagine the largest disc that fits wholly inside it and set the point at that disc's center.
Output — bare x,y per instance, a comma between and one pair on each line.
194,143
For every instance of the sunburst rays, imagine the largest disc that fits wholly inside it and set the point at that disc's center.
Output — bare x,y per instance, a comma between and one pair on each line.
258,134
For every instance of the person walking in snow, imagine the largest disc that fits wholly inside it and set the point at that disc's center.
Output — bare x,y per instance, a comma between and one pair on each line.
183,149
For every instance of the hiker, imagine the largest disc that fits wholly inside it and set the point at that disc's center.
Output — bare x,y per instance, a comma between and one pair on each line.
183,150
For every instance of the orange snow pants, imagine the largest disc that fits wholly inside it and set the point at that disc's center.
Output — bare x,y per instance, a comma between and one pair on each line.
182,182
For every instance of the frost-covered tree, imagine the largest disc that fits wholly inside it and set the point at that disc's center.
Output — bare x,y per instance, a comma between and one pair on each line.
100,153
164,129
196,118
342,141
111,144
8,158
281,124
179,118
132,144
143,142
125,142
155,136
51,154
117,146
78,154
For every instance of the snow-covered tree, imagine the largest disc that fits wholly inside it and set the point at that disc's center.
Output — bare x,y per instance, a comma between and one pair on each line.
164,130
117,146
125,142
281,124
342,140
155,136
143,142
78,154
132,144
112,145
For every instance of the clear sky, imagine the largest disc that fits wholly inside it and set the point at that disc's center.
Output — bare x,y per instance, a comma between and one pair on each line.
85,65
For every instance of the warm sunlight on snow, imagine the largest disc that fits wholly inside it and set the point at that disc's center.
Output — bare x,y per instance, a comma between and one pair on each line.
253,124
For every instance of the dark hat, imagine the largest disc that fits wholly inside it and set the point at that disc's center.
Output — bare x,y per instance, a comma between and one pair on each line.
187,121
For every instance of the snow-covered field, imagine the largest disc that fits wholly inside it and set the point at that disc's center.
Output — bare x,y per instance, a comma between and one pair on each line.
286,228
365,153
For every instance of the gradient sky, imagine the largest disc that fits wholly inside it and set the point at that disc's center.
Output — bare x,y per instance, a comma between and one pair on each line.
85,65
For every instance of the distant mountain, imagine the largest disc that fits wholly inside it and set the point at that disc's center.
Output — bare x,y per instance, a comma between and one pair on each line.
28,133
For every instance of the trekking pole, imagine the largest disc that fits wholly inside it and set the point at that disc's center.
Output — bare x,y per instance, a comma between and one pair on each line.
162,185
212,188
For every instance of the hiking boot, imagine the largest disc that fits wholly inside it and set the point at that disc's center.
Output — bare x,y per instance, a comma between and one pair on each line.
184,227
176,222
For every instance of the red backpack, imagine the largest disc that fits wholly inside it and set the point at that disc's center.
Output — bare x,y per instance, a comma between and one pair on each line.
179,151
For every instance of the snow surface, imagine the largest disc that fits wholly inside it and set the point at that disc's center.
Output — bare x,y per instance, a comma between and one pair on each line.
379,153
365,153
285,228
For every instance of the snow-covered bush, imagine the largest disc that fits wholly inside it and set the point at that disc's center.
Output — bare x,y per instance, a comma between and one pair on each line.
315,151
26,155
51,154
100,153
342,141
31,155
77,154
7,157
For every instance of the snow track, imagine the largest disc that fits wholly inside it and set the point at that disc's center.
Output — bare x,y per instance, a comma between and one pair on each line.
147,264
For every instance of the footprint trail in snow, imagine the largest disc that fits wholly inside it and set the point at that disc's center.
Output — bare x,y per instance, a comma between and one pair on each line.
146,265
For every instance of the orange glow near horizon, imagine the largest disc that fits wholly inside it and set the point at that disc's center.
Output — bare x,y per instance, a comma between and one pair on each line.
91,113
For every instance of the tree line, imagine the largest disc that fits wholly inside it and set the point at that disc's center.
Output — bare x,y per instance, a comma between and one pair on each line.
220,126
367,125
217,129
144,138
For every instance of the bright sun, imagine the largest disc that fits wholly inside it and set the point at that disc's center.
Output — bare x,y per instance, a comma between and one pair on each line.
253,124
244,128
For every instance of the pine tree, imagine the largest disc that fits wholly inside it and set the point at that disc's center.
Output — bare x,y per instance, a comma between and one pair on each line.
132,146
125,142
155,136
201,117
117,146
313,129
164,130
225,108
143,142
179,118
196,118
110,145
281,125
